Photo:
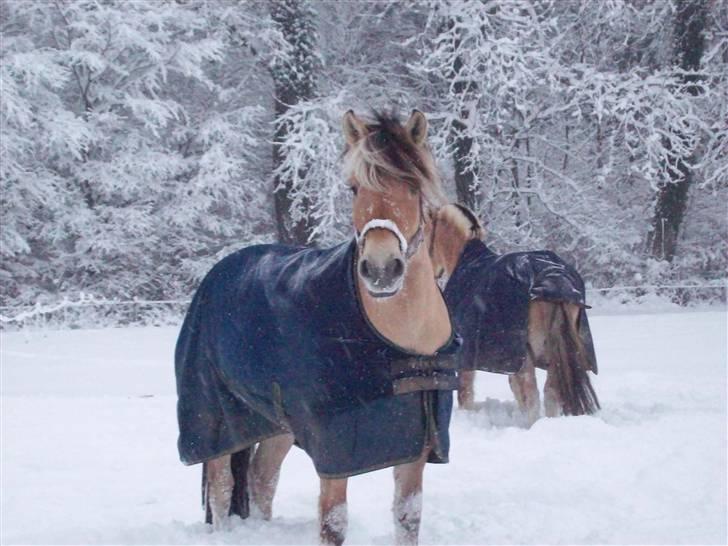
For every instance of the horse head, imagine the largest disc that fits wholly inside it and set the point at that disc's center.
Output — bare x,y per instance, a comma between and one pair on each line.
396,188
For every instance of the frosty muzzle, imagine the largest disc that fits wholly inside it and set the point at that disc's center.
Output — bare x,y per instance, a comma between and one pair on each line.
383,268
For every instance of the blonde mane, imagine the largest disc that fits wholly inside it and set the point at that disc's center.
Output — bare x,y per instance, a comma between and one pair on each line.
462,220
387,153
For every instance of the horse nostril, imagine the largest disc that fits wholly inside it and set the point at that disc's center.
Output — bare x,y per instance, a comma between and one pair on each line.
397,268
364,269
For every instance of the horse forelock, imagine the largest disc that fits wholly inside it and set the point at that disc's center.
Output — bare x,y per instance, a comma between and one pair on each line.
386,154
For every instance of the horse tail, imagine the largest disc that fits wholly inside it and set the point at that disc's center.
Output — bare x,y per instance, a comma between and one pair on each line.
570,362
240,500
556,345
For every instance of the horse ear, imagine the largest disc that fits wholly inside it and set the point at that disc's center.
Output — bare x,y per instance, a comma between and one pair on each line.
417,127
354,128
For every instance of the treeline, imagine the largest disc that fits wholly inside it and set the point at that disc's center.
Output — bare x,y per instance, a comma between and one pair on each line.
142,141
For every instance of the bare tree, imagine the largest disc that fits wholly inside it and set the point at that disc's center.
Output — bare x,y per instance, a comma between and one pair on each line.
689,43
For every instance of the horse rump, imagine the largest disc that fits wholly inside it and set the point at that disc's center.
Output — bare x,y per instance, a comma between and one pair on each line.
240,501
556,345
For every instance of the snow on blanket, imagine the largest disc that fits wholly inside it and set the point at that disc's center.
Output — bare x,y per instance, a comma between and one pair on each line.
89,450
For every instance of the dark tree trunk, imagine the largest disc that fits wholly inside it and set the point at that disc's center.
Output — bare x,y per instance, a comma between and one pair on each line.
464,176
461,141
690,20
462,144
293,73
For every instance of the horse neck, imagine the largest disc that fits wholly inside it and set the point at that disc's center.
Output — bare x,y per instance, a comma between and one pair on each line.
415,318
453,243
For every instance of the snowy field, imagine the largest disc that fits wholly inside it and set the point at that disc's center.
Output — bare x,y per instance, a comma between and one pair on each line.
89,454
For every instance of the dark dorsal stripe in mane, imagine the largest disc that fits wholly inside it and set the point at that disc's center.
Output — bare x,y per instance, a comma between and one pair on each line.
475,228
388,138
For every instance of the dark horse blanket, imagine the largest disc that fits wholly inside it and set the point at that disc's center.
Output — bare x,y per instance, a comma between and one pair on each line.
488,296
276,341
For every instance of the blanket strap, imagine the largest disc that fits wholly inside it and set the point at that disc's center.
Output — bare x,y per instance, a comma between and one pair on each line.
424,373
434,382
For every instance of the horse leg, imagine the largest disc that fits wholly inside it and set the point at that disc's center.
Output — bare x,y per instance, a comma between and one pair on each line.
552,403
265,469
544,334
525,390
407,507
333,518
466,389
220,484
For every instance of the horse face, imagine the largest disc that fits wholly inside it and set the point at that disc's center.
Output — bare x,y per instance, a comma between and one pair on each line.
385,221
387,163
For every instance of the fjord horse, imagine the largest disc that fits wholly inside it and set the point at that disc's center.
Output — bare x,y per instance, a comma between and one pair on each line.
398,309
556,335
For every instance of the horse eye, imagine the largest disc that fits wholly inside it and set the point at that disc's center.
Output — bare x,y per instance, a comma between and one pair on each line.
354,189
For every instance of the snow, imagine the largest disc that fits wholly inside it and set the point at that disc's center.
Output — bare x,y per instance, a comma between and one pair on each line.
89,453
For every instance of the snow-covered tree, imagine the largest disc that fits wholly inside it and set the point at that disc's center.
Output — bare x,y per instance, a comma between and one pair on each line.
143,140
128,152
355,72
561,120
293,69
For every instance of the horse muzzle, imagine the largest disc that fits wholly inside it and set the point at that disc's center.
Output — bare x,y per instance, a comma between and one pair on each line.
382,267
382,278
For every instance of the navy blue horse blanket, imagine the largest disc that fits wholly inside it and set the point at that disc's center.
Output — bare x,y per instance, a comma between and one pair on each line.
276,341
488,296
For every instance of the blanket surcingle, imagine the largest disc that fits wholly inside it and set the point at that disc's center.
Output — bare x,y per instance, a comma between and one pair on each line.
276,341
488,297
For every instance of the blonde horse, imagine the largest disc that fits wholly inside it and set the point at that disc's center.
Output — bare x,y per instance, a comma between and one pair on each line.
554,333
240,385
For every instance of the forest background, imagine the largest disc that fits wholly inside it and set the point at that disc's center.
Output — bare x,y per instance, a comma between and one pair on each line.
141,141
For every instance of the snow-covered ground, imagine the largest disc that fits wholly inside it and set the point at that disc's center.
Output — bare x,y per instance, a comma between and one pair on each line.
89,454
